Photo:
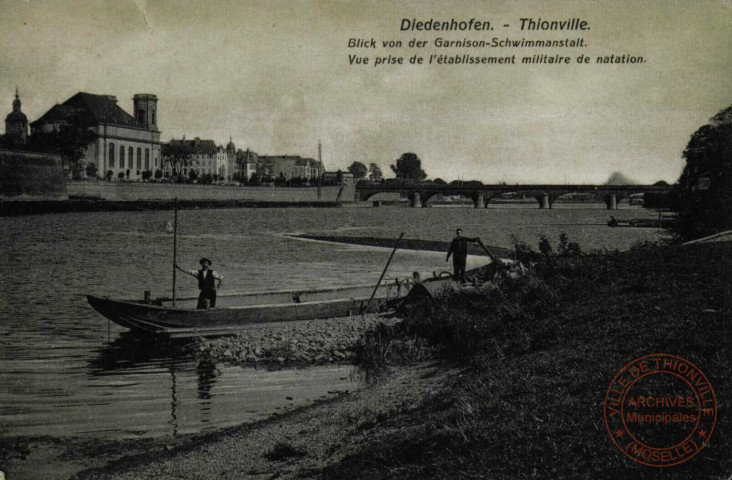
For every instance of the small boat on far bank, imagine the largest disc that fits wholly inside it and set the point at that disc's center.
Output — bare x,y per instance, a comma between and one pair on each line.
661,222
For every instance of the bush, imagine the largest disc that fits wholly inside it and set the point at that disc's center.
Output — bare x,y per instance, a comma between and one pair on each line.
385,345
283,451
91,170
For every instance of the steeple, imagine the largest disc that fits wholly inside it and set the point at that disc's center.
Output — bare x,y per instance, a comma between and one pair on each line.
16,123
16,102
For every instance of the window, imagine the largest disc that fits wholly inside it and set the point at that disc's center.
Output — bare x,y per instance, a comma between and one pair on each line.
704,183
139,158
153,117
141,116
111,155
121,157
147,159
131,157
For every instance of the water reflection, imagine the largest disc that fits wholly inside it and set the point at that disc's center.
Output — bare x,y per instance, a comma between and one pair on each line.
129,350
206,371
173,399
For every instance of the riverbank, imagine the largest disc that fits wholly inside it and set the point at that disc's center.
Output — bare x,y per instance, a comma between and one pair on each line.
406,244
10,209
515,389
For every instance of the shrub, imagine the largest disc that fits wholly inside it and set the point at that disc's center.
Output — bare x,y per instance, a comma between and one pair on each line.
282,451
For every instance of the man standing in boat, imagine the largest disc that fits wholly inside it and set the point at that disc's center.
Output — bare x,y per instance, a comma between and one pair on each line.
208,282
459,251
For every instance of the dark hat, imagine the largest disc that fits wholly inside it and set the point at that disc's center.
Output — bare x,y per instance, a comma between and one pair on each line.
204,259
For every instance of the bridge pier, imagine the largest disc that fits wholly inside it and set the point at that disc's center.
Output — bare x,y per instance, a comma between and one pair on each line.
544,201
416,200
611,201
479,201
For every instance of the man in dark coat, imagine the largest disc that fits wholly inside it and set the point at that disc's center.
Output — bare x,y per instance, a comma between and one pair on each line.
208,282
459,251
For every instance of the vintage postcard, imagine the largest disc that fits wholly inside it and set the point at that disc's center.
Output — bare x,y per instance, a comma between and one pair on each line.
365,239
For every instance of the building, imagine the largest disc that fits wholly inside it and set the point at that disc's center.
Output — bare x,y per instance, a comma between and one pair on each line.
231,164
288,167
16,124
205,158
247,163
125,145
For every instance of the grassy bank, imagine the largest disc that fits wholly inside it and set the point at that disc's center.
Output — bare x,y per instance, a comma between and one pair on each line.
539,353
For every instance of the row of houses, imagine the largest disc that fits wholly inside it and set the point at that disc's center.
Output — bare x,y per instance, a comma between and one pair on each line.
235,164
127,146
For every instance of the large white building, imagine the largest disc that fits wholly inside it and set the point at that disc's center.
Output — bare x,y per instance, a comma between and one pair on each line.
124,144
205,158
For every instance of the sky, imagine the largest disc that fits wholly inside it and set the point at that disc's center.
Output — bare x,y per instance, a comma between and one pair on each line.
274,75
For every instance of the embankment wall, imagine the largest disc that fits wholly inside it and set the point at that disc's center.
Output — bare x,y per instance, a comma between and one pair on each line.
31,176
124,191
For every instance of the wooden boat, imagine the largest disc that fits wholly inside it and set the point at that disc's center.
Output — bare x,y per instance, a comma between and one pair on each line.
235,311
660,222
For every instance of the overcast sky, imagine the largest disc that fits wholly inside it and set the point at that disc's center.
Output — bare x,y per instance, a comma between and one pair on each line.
275,76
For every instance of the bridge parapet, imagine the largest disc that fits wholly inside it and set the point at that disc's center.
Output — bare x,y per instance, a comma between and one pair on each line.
481,195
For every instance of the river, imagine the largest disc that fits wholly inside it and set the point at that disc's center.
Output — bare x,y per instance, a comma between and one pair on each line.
66,371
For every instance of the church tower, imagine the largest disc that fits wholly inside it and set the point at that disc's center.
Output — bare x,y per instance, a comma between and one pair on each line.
16,123
146,110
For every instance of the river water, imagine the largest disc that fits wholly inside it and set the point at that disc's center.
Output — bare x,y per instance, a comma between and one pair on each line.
65,370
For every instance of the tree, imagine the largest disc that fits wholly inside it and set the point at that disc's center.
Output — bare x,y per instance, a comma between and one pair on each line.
375,174
409,168
91,170
439,181
192,175
146,175
358,170
178,155
703,194
158,174
70,141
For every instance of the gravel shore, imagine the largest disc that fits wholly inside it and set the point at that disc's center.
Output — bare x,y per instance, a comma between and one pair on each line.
300,444
280,344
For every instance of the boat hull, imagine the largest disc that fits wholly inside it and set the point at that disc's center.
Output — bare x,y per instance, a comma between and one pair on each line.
156,318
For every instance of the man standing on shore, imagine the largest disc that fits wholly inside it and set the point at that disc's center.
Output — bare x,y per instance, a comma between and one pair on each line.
208,282
459,251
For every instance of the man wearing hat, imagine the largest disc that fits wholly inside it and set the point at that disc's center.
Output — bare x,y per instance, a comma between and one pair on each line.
208,282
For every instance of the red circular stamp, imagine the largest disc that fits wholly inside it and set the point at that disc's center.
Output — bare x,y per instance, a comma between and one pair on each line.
660,410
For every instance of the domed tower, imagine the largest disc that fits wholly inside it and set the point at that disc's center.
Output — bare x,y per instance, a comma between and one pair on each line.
146,110
230,147
16,123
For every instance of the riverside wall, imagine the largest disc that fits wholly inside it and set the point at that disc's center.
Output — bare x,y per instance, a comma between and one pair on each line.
31,176
133,191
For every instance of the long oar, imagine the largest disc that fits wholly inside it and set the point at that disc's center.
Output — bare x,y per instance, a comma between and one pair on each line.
490,254
175,245
373,294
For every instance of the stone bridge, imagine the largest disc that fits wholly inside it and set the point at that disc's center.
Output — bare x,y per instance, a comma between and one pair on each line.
546,195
